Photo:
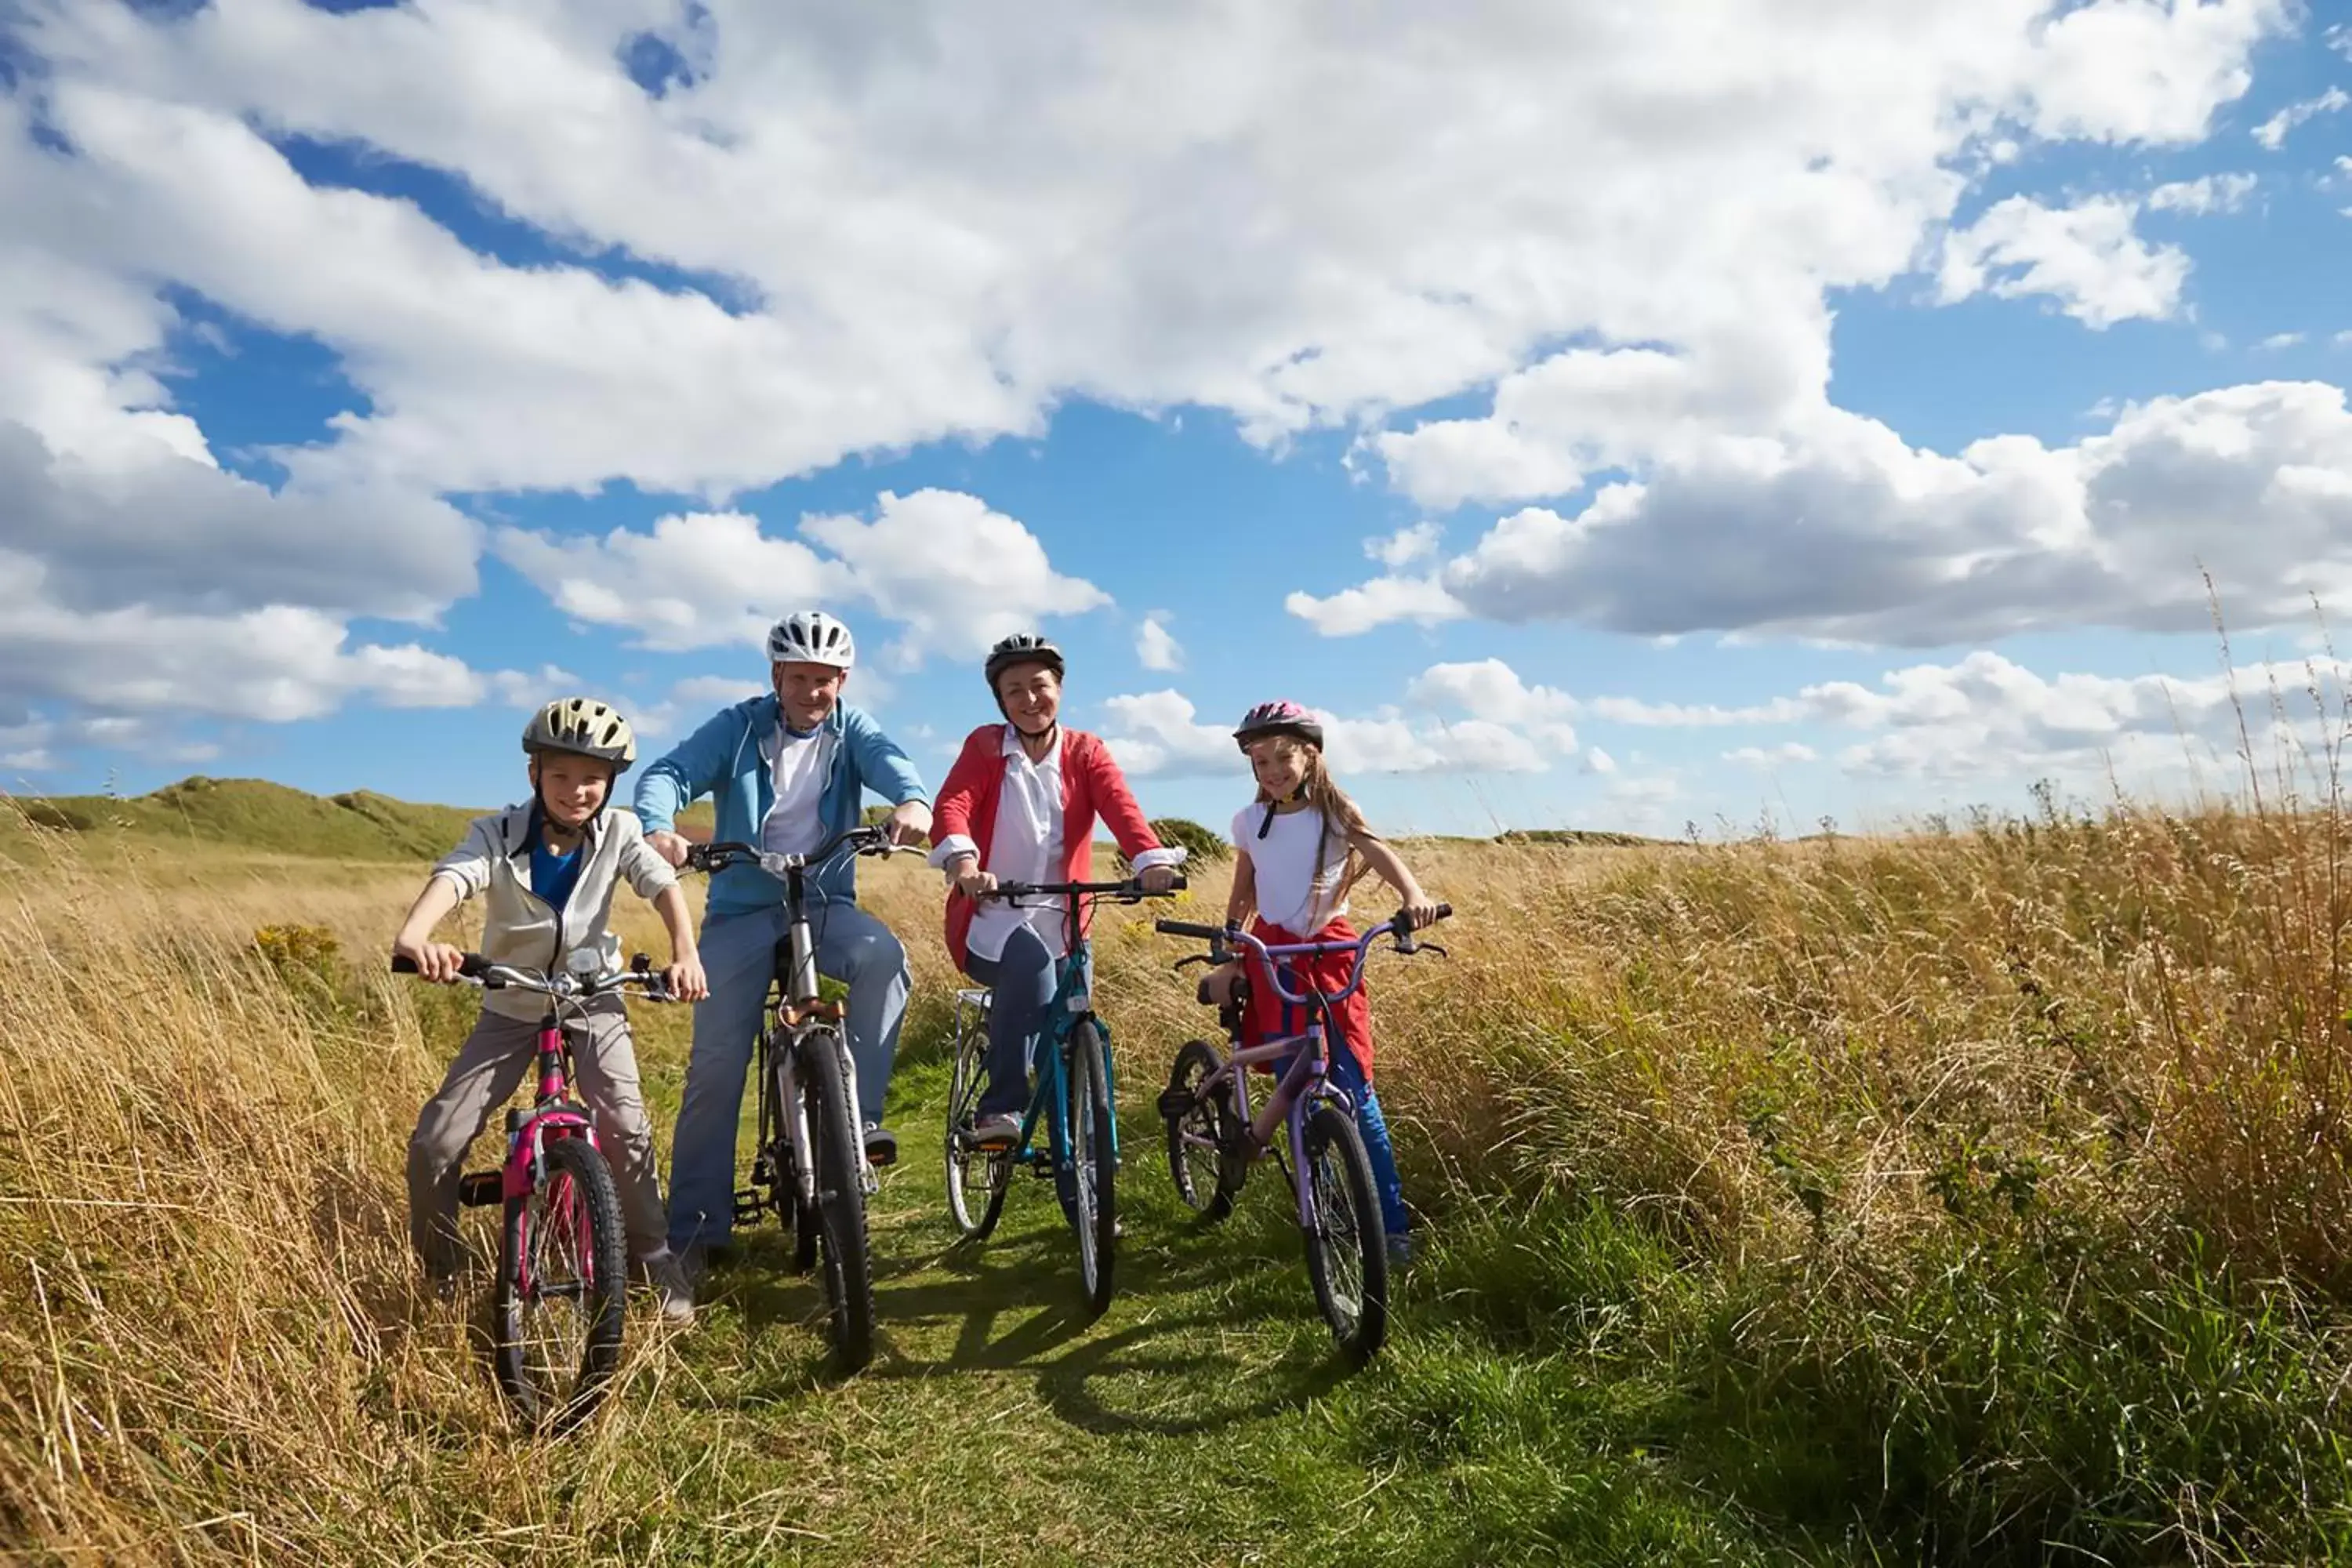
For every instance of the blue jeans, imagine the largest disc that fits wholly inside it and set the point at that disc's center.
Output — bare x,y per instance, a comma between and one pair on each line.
1021,983
739,955
1349,1079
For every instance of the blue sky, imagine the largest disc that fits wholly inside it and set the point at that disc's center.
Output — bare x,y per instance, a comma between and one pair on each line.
1609,421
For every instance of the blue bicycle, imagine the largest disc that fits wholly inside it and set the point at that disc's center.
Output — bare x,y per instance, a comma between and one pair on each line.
1076,1099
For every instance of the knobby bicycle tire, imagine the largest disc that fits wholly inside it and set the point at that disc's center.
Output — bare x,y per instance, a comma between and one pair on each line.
840,1198
1335,1150
965,1088
576,1172
1203,1177
1093,1164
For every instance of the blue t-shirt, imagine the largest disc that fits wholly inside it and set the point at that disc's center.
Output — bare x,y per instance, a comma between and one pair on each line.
552,876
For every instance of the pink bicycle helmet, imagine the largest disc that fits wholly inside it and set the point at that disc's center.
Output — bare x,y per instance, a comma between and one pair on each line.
1280,717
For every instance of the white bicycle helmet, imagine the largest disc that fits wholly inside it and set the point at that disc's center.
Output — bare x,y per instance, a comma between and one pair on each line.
584,726
811,636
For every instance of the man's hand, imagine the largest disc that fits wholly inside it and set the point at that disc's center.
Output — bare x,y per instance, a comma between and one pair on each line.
684,979
434,960
909,824
1157,879
668,845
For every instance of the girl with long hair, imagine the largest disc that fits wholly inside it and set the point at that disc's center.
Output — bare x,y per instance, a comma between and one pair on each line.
1302,845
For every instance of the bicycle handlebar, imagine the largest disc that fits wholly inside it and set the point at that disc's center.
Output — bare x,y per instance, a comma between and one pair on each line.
1223,941
1128,891
718,855
492,976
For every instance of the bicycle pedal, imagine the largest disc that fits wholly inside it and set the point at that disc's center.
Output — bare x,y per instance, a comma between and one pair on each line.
750,1205
1176,1103
480,1189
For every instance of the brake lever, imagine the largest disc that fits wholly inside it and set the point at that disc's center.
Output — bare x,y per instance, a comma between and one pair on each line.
1184,963
1427,947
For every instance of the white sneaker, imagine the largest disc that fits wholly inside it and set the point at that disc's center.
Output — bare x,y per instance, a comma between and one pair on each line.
671,1288
998,1130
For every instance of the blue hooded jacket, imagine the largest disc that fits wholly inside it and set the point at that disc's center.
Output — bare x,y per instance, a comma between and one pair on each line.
724,759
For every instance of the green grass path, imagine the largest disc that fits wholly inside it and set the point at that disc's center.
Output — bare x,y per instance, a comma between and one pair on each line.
1204,1418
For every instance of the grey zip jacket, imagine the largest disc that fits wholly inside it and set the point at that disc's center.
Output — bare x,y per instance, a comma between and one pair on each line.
520,928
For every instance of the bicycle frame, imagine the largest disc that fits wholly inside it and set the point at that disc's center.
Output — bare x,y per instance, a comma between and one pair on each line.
1073,999
798,1004
1307,1081
555,1115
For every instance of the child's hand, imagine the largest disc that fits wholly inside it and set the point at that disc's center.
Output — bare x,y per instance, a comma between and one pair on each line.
685,980
667,845
1420,908
434,960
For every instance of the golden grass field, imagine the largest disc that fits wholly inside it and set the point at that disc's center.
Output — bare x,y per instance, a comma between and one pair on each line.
1979,1195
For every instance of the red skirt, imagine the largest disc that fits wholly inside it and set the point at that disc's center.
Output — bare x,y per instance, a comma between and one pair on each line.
1271,1018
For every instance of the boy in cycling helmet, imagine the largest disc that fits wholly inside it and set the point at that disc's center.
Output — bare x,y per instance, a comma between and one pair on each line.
546,872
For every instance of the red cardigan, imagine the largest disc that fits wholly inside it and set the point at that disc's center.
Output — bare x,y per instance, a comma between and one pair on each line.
1092,786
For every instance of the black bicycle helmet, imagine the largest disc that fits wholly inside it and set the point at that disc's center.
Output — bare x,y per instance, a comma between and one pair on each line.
1022,648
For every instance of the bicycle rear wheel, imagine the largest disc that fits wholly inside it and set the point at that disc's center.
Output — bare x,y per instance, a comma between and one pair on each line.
835,1146
976,1178
1094,1209
562,1275
1195,1139
1347,1246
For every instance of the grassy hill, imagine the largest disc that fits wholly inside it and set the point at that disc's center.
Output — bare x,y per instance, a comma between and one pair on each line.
258,815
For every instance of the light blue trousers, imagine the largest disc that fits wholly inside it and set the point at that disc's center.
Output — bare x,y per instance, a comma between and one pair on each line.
739,955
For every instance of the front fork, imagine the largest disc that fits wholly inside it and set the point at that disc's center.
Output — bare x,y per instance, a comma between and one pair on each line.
804,989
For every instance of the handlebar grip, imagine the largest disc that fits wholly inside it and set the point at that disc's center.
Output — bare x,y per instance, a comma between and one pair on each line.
1179,884
473,967
1444,912
1189,927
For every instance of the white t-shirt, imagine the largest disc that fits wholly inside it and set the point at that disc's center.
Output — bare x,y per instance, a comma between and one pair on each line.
797,763
1024,847
1298,872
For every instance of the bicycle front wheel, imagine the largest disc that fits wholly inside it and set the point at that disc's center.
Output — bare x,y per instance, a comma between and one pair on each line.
1347,1244
835,1141
977,1178
562,1275
1094,1208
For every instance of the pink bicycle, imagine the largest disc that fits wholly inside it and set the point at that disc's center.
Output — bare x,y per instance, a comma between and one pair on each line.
564,1258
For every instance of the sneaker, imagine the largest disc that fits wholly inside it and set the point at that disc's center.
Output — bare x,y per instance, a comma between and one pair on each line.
997,1130
881,1146
700,1259
671,1287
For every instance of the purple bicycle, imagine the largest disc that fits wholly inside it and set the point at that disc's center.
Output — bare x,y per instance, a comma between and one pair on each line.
1309,1124
565,1262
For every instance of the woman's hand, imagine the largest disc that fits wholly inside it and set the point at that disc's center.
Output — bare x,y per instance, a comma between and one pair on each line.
1157,879
971,881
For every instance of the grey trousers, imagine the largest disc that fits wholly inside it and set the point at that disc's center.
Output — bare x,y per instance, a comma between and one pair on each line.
494,1059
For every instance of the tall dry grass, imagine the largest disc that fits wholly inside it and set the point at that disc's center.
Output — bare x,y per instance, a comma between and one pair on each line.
1925,1119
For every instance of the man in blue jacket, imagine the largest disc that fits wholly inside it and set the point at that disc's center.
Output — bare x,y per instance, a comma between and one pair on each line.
789,770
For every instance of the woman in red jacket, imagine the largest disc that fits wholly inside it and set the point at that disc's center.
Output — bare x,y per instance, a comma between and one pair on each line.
1020,806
